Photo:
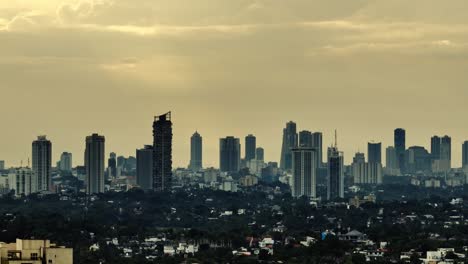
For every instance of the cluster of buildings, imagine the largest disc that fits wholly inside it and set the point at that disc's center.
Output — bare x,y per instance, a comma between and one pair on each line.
302,165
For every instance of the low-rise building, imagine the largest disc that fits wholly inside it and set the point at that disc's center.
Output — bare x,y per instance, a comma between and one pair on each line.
34,252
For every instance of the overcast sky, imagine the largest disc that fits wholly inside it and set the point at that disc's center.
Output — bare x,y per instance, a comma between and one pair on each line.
231,67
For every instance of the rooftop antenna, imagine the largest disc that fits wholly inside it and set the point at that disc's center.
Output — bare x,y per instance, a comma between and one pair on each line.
336,139
21,163
28,162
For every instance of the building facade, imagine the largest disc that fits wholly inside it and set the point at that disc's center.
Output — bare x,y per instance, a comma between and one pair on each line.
34,252
144,168
400,147
229,154
290,141
162,152
41,164
196,152
335,180
304,172
66,161
250,147
94,163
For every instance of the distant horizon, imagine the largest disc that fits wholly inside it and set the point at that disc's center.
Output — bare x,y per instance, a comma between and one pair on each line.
456,155
70,68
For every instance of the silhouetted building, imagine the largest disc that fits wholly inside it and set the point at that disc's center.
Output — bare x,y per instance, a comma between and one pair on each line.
391,158
419,160
250,147
94,162
465,154
162,153
112,165
441,154
304,177
196,152
317,143
290,141
260,154
2,165
144,168
335,180
435,147
41,165
229,154
305,139
66,161
374,152
400,148
446,149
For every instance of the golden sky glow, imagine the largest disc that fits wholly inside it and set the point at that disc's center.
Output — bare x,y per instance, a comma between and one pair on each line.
231,67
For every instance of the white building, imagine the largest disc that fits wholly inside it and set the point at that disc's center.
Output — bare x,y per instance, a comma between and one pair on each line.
21,180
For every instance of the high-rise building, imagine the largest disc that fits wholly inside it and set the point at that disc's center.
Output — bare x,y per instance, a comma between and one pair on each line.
196,152
304,170
374,152
418,159
446,149
317,143
465,155
66,161
335,180
229,154
400,148
112,165
441,153
162,152
2,164
391,158
94,163
366,172
359,168
260,154
41,164
435,147
21,180
289,142
250,147
305,139
144,168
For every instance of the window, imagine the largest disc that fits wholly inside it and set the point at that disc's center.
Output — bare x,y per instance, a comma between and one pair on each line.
34,256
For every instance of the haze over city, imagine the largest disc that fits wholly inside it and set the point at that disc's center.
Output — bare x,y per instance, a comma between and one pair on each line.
71,68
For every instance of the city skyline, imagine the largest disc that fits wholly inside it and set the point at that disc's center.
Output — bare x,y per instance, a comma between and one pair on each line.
351,149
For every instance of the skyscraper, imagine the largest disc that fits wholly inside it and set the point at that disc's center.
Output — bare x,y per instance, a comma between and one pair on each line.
2,164
465,155
441,154
196,152
112,165
41,165
317,143
391,158
260,154
335,181
359,168
446,149
162,152
374,152
144,168
435,147
229,154
304,178
94,163
66,161
289,142
400,148
305,139
250,147
22,180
